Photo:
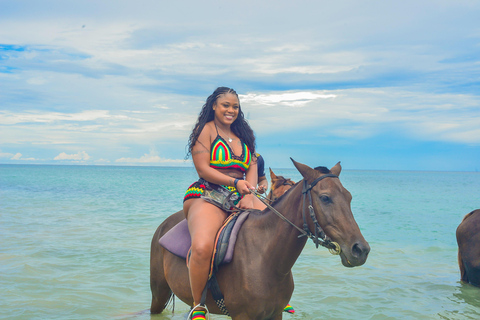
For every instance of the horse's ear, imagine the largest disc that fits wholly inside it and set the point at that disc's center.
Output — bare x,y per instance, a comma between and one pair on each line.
305,170
273,176
336,169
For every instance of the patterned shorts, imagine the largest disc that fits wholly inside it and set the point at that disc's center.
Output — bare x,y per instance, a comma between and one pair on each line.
203,188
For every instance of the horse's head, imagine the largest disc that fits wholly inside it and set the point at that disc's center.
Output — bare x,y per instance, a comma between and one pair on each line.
279,185
331,204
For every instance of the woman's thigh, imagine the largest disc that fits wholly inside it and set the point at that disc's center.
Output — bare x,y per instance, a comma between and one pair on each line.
204,219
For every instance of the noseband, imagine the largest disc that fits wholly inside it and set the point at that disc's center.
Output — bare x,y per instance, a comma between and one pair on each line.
319,238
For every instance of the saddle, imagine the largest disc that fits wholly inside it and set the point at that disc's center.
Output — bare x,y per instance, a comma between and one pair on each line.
178,241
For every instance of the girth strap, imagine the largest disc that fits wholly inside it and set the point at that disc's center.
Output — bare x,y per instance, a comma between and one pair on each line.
217,294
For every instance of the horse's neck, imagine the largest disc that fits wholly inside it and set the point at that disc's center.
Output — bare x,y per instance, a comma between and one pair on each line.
282,241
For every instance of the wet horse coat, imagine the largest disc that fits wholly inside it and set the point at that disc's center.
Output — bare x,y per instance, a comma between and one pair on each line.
468,239
258,282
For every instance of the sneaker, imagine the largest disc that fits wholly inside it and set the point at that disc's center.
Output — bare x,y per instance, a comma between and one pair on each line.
289,309
201,314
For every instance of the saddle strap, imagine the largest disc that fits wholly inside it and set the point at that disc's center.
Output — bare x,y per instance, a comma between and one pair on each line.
217,294
221,243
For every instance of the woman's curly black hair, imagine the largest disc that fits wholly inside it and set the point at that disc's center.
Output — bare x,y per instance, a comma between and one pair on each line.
239,127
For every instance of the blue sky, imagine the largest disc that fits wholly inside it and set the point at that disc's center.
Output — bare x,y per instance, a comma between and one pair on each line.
384,85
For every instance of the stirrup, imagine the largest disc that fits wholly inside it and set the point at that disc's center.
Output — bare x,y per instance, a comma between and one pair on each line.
207,313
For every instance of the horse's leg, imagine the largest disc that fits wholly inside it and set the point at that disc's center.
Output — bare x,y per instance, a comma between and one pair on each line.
161,292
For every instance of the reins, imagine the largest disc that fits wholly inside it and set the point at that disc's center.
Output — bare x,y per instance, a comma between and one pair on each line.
262,198
319,238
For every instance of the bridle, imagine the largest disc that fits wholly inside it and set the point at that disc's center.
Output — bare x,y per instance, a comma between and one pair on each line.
319,237
323,239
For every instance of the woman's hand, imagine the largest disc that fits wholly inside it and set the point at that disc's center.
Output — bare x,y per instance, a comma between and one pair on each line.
261,189
244,187
246,202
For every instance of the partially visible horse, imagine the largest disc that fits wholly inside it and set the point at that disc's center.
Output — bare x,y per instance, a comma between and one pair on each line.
279,185
258,282
468,239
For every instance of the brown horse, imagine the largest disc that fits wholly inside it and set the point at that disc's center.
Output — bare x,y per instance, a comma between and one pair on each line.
468,239
279,185
258,282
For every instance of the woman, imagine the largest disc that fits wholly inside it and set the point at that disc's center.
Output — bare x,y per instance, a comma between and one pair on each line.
222,146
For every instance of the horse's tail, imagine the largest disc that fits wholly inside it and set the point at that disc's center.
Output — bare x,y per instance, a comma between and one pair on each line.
463,271
171,300
154,308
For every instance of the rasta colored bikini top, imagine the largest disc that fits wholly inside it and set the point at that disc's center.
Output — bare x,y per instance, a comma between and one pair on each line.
222,156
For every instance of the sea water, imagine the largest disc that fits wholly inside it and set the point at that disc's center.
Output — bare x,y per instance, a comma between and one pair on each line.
75,244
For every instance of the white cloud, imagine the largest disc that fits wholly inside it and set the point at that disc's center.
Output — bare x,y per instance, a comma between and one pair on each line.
362,113
37,81
17,156
6,154
81,155
48,117
293,99
152,158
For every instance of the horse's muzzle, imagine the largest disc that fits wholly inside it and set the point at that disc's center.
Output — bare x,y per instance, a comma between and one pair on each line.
358,254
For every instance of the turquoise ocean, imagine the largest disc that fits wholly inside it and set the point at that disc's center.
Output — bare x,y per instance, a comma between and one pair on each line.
75,244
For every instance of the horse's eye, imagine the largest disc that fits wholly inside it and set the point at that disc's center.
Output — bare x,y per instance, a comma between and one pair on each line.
325,199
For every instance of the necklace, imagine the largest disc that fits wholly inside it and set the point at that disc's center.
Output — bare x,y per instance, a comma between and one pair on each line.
229,139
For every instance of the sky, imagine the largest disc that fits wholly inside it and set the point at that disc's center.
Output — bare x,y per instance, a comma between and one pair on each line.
377,85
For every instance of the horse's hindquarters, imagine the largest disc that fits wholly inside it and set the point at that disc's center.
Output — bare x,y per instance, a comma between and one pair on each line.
159,287
468,239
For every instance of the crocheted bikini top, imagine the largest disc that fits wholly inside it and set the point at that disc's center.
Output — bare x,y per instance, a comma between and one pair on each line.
222,156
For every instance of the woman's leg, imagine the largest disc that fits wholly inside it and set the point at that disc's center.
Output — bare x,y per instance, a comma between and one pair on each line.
204,221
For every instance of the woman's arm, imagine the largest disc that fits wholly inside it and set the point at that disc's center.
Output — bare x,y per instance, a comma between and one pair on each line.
252,172
250,180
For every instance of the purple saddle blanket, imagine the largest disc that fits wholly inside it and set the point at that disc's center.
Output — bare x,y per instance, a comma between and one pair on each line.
177,240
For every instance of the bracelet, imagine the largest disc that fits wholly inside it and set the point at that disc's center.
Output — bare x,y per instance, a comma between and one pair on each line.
235,183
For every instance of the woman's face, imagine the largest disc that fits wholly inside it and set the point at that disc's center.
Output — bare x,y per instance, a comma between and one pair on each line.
226,108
